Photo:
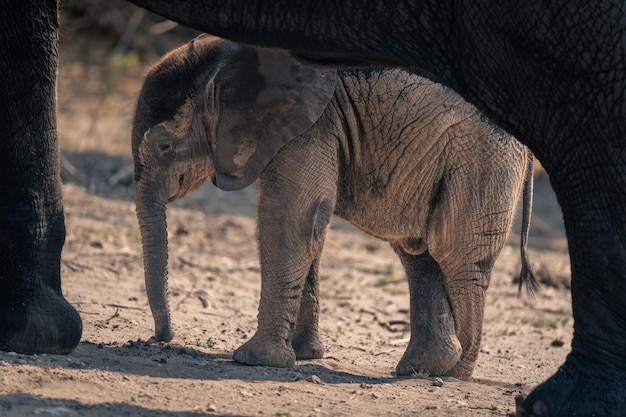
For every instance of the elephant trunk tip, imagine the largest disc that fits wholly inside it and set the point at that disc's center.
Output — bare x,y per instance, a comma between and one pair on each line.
163,333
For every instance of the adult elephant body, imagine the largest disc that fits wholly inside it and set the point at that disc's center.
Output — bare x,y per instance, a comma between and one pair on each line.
552,73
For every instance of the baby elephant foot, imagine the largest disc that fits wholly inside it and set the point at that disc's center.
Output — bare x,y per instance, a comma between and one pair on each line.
258,352
435,359
308,348
463,369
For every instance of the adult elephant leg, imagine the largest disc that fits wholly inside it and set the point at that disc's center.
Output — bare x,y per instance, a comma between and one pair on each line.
306,342
593,379
34,316
433,346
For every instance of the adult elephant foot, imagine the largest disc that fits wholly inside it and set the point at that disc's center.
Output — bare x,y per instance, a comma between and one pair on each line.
34,316
259,352
436,359
577,389
592,381
39,322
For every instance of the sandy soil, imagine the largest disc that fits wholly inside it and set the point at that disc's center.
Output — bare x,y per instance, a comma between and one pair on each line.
214,291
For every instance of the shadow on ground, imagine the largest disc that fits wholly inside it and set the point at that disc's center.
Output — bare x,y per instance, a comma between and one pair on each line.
31,405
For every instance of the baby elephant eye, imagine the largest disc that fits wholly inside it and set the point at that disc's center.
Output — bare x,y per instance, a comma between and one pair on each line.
165,147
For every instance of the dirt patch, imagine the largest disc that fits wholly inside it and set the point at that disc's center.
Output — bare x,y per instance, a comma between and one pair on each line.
214,292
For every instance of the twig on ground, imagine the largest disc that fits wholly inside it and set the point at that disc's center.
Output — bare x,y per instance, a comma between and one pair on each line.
115,315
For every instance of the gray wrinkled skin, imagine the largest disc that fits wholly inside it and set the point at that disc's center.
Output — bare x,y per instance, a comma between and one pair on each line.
404,159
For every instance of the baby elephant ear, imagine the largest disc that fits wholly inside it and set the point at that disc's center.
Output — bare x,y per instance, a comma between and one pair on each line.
264,98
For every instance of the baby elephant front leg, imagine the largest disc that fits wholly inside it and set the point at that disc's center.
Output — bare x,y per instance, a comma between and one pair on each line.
289,251
306,342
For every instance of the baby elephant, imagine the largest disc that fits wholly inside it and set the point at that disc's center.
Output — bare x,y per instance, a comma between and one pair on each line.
404,159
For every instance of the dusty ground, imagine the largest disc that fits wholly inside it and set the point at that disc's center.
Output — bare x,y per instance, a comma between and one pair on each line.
214,290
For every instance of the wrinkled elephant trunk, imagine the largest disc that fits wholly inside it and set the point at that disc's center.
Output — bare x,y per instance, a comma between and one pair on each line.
153,227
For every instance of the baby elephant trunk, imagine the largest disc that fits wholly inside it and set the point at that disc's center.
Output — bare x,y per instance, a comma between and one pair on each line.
153,227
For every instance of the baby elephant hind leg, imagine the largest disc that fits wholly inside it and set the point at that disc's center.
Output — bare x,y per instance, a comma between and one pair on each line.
433,346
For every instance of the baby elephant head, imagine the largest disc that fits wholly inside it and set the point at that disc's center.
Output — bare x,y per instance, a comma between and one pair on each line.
212,109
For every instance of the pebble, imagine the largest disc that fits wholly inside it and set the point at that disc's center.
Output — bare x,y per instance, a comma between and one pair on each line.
438,382
314,379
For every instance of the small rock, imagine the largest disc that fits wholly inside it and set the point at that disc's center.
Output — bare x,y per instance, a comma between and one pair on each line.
314,379
438,382
211,408
558,342
96,244
181,231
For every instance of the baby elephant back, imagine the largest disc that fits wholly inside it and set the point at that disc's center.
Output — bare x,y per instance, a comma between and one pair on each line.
421,146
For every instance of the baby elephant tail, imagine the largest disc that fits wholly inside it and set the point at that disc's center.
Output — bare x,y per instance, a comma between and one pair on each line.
527,276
